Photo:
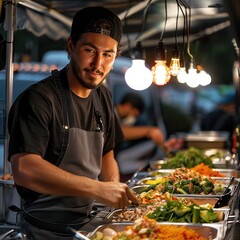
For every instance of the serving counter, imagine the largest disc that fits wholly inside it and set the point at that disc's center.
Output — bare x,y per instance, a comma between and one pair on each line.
230,226
227,229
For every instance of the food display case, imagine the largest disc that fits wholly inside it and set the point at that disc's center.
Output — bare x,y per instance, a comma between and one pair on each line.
225,206
225,203
213,232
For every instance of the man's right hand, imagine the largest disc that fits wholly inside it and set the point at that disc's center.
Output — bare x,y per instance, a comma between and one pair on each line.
115,194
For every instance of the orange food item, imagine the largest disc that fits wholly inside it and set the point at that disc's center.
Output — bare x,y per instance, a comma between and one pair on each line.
146,228
206,171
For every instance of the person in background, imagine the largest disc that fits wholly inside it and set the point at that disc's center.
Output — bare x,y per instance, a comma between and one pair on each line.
143,142
129,109
222,118
63,131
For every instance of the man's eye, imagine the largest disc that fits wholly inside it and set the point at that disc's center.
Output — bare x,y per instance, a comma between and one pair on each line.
108,55
90,50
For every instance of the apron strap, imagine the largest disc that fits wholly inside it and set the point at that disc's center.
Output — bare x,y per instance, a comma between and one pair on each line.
99,113
65,113
65,97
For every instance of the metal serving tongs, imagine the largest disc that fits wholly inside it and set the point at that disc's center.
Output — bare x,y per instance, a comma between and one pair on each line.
223,200
78,235
13,235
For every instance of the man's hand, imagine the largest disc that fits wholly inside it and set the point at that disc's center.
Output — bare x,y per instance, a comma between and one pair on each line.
115,194
173,144
156,135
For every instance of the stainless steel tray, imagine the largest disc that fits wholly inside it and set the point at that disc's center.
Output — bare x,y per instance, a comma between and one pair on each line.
228,173
6,182
118,214
145,180
221,158
140,188
208,231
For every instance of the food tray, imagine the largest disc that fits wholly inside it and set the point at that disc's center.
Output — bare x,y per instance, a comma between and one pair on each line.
224,180
221,158
140,177
228,173
140,188
209,231
113,215
219,164
206,139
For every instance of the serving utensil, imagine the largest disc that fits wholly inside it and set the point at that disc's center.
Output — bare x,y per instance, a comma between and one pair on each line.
78,235
223,200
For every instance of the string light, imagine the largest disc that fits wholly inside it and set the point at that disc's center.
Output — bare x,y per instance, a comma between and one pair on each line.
175,63
160,70
182,75
204,78
138,76
192,79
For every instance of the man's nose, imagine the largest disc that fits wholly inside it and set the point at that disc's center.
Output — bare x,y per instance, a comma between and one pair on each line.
96,61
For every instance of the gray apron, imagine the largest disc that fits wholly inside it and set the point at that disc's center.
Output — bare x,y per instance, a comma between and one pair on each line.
82,156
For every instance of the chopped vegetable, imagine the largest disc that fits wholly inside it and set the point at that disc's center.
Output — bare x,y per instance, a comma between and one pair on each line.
145,228
175,211
190,158
206,171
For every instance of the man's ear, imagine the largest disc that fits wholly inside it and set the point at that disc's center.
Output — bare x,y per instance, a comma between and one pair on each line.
70,45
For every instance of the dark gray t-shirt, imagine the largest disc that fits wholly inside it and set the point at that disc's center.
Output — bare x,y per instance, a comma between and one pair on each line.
35,119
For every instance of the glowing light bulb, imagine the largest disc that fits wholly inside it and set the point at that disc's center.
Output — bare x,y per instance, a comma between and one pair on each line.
161,74
182,75
138,76
174,66
192,77
204,78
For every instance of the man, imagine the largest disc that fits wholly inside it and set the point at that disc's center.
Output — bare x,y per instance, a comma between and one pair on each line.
62,134
129,109
143,142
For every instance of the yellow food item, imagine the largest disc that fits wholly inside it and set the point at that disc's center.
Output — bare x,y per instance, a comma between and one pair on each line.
155,181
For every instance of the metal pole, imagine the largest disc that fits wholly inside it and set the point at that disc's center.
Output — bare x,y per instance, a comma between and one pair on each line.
10,27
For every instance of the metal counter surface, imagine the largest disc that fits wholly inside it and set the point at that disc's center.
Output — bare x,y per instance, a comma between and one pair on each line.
232,232
233,225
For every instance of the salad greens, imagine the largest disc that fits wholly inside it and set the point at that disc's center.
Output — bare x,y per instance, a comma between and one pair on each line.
191,186
190,158
175,211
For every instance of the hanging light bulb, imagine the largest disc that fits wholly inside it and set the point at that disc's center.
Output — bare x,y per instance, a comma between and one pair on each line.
175,63
182,75
192,79
174,66
160,70
204,78
138,76
161,74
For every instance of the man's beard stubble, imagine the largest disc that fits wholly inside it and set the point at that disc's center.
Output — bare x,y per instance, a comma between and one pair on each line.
85,84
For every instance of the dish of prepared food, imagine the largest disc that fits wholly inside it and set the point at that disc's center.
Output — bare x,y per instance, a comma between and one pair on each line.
189,158
178,210
186,181
207,171
145,228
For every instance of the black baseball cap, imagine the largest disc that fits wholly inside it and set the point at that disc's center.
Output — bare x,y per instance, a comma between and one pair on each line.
97,20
